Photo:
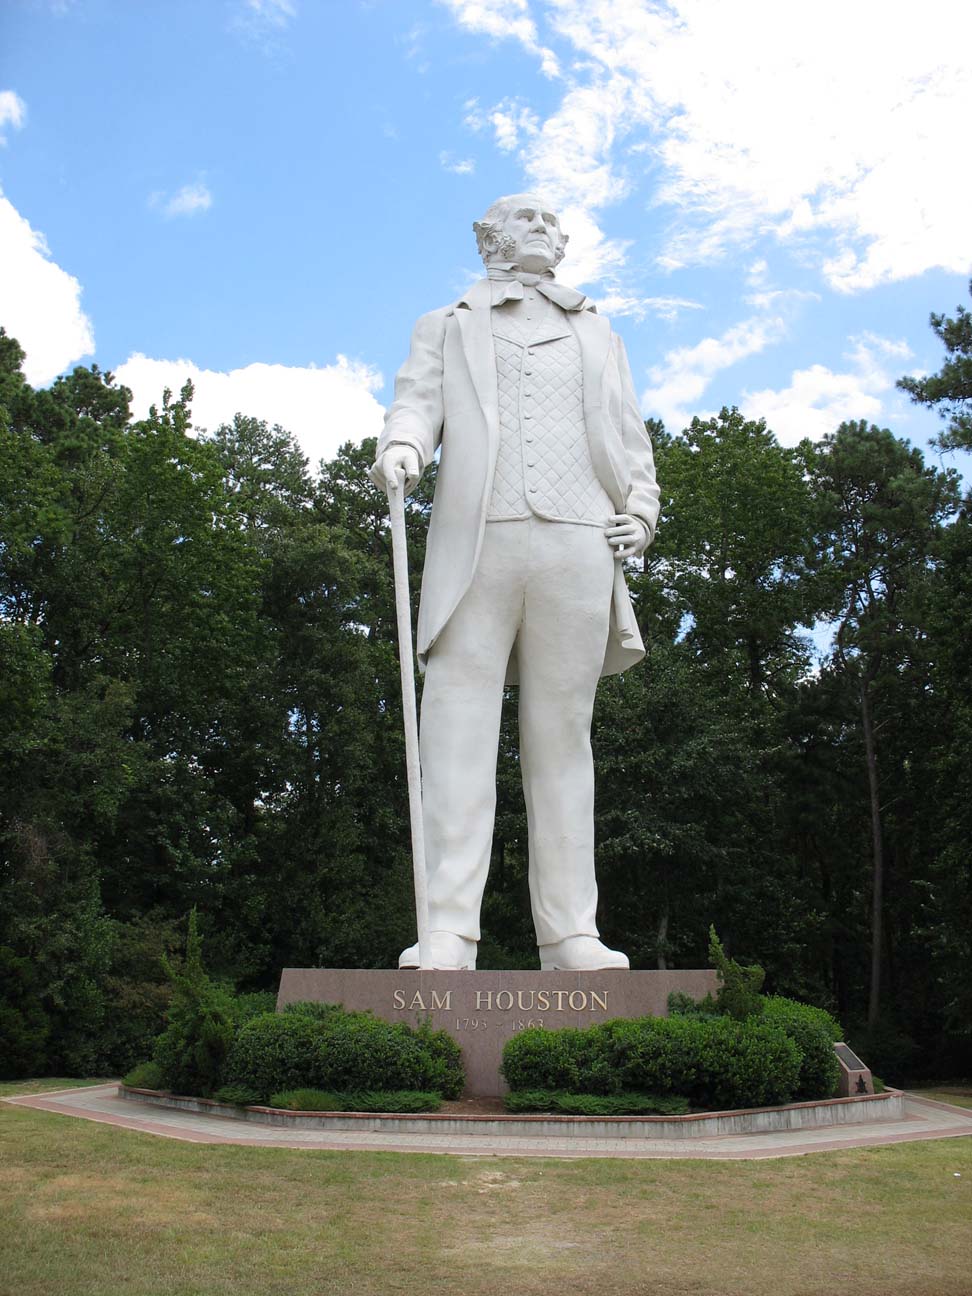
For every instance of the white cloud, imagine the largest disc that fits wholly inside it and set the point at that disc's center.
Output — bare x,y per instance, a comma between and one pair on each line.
13,112
686,372
190,200
833,131
458,166
818,400
505,20
640,308
510,119
261,15
40,304
323,407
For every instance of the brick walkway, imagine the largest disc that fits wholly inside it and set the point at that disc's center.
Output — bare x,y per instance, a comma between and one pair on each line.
923,1120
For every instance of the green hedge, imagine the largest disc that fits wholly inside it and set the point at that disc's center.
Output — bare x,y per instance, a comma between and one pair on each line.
531,1101
716,1064
814,1031
342,1052
376,1100
147,1075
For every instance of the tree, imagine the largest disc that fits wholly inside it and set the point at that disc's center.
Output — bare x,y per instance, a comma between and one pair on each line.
950,390
734,550
882,519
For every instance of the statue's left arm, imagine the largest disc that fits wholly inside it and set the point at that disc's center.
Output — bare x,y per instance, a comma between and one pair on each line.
644,496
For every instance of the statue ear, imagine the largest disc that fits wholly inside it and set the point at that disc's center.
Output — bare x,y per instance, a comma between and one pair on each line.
561,249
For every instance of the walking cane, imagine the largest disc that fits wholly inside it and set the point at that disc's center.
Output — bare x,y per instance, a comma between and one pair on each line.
403,609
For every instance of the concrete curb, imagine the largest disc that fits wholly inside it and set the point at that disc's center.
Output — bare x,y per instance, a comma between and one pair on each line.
864,1108
922,1120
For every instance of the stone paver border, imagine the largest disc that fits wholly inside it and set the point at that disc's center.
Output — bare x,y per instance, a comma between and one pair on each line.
922,1119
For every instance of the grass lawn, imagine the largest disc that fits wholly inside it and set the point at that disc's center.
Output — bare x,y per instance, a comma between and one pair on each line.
91,1210
957,1095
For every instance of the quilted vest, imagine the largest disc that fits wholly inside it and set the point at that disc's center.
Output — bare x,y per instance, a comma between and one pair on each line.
544,462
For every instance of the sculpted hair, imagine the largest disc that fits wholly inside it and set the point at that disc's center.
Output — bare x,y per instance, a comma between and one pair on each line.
491,240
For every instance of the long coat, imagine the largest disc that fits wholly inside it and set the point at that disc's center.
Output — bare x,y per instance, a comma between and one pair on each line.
446,395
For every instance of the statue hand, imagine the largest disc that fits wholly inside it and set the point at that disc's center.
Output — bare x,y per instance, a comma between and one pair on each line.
627,536
396,462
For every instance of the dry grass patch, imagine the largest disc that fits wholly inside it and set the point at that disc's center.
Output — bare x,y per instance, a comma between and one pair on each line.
92,1210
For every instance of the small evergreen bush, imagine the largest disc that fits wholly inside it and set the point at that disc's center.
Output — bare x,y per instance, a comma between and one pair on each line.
192,1049
375,1100
147,1075
738,996
582,1104
814,1031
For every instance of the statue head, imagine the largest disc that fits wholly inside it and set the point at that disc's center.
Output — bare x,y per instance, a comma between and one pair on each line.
521,229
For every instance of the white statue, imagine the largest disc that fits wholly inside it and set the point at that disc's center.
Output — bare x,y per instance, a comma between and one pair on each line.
545,481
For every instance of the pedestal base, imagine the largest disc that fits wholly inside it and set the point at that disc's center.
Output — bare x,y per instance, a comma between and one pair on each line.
481,1010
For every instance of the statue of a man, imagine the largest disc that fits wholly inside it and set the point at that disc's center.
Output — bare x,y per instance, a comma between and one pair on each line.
545,482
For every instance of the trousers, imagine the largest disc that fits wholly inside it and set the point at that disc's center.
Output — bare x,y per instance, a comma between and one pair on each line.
542,590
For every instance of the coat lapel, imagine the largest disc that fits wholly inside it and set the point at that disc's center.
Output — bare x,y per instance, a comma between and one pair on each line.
473,317
594,335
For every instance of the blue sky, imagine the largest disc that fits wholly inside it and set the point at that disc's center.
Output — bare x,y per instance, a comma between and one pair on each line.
768,199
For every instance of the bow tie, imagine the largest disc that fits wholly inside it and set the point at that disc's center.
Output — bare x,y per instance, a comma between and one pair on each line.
513,281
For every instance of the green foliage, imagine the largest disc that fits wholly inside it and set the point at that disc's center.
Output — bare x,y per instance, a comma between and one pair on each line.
23,1024
146,1075
254,1004
343,1052
683,1005
387,1101
814,1032
738,996
527,1101
715,1063
317,1011
238,1095
192,1050
267,787
950,390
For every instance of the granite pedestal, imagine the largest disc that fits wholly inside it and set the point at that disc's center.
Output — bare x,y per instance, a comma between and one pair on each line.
482,1010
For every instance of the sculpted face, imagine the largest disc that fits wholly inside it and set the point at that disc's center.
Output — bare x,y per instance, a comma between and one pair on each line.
532,234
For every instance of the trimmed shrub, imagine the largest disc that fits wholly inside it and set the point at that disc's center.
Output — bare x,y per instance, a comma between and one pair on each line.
813,1031
342,1052
238,1095
147,1075
715,1063
543,1059
449,1077
274,1051
620,1104
375,1100
745,1064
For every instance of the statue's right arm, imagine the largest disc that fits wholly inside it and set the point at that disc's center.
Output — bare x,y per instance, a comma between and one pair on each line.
414,417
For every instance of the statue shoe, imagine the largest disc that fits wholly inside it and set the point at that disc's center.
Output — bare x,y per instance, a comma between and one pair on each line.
581,954
450,953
